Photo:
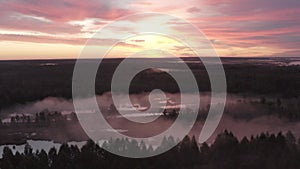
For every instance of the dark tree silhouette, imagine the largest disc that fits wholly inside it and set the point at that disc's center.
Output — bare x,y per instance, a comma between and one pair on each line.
267,151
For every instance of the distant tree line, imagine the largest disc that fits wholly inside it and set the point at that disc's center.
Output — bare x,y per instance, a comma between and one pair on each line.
44,117
265,151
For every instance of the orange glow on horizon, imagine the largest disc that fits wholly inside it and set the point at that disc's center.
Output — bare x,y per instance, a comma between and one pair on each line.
54,30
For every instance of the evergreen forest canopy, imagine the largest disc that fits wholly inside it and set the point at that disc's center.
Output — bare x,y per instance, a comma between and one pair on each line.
267,151
26,81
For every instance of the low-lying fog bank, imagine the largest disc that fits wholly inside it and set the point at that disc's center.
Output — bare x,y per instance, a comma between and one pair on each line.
240,107
244,116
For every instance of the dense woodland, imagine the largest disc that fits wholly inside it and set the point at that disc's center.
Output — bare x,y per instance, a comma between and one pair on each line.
267,151
25,81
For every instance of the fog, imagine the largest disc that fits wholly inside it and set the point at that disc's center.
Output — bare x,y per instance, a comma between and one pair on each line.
244,115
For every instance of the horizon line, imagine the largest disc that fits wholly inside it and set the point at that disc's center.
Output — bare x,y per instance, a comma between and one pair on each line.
230,57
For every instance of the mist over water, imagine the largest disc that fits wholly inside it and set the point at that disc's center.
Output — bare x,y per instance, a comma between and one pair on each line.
244,116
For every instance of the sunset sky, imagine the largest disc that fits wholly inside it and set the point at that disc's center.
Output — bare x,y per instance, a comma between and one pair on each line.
36,29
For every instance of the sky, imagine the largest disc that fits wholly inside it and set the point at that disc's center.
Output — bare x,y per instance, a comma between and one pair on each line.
36,29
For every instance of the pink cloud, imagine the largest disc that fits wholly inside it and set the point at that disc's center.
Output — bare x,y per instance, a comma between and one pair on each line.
250,23
53,16
41,39
228,23
236,7
193,10
138,40
59,40
66,10
124,44
31,24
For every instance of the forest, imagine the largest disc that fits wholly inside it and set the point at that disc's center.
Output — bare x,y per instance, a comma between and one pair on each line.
267,151
277,87
25,81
